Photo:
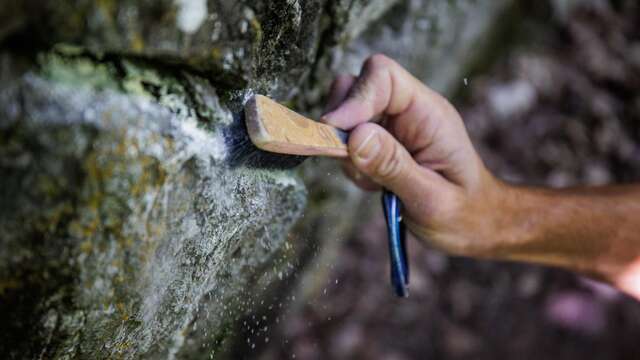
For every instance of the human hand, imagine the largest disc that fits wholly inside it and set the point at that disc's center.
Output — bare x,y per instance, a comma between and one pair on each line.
421,152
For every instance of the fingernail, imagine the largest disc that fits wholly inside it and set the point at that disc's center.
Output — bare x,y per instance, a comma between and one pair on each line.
369,147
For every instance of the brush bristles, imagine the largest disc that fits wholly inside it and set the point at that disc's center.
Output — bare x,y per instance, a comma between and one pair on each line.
242,151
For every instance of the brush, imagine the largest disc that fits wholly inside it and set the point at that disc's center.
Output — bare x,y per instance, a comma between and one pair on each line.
277,129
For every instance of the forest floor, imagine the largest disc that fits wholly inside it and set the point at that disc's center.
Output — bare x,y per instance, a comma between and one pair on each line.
560,109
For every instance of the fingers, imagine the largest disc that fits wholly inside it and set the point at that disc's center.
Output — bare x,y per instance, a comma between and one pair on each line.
337,94
383,87
378,155
338,91
425,123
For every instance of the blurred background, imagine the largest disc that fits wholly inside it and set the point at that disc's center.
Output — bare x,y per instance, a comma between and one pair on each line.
557,103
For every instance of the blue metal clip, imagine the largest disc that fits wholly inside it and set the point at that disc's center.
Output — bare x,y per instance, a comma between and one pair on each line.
397,247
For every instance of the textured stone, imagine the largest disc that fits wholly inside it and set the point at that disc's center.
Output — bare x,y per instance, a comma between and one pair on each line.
266,45
120,214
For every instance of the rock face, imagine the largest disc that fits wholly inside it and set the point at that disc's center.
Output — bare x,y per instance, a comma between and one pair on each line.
136,220
265,45
120,212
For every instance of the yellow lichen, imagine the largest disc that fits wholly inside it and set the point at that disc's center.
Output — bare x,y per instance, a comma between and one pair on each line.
107,7
123,311
121,346
137,42
257,29
86,246
216,54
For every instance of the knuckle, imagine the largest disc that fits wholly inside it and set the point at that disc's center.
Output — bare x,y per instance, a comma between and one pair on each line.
391,167
362,90
377,62
448,110
370,168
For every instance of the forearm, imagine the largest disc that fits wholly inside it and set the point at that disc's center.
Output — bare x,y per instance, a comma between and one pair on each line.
594,231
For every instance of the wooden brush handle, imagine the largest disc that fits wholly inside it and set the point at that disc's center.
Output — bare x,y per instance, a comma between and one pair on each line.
273,127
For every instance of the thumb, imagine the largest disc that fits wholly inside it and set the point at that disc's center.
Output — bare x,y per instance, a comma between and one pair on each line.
377,154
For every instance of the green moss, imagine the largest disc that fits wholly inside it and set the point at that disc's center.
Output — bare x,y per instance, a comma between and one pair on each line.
138,80
78,71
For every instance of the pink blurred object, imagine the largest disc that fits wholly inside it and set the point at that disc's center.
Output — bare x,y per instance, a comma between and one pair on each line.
602,290
576,311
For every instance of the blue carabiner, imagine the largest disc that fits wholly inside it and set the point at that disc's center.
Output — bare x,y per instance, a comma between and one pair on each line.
397,243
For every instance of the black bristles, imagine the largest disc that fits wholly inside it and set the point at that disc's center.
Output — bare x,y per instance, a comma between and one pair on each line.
242,152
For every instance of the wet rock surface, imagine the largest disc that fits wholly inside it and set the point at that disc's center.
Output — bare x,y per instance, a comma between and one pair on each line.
134,222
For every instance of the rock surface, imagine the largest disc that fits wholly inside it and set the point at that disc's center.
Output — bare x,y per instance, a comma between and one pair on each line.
132,224
120,213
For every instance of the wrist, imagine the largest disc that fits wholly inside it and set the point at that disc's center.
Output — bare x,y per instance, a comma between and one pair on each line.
516,223
502,221
500,228
478,220
544,226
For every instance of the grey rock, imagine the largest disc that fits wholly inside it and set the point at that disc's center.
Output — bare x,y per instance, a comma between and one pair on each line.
266,45
122,220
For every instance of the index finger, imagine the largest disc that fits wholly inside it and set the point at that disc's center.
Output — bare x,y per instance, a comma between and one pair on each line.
383,87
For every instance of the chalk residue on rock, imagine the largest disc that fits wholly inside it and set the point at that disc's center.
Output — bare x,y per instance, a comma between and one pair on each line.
191,14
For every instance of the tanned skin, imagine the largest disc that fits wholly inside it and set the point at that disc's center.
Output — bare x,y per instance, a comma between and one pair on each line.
422,152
